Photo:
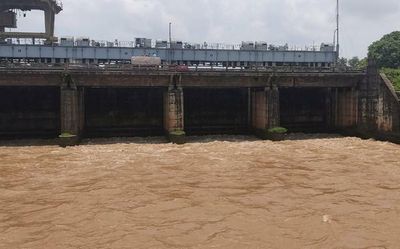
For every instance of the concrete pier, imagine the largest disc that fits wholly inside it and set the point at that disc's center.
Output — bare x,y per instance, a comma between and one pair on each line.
265,110
273,107
72,110
174,113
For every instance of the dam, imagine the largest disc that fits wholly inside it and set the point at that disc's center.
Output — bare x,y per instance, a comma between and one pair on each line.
107,102
51,86
222,182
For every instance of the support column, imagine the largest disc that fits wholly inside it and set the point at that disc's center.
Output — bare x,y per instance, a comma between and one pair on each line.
49,18
259,111
72,115
174,114
265,110
329,103
368,99
274,117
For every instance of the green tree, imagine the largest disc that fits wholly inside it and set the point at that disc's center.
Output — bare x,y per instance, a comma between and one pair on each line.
342,63
353,62
386,51
362,64
357,64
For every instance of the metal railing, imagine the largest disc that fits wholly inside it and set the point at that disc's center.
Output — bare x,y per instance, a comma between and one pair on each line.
131,44
171,68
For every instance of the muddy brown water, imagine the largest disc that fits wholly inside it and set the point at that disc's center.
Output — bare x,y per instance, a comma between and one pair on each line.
214,192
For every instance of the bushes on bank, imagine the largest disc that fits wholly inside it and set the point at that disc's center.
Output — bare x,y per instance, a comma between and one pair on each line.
393,75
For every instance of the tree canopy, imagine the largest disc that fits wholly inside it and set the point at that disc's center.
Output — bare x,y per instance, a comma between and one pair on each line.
354,63
386,51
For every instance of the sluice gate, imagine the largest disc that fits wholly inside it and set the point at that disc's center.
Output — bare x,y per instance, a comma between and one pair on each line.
304,109
29,112
216,111
123,112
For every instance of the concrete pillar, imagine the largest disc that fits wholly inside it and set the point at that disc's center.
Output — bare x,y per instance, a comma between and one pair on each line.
72,110
259,110
265,110
174,114
329,109
274,117
368,99
49,19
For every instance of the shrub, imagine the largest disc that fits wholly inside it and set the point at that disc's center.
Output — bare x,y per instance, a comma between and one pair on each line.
66,135
394,76
279,130
177,133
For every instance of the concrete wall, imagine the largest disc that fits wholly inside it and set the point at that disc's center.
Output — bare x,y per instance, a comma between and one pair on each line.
110,78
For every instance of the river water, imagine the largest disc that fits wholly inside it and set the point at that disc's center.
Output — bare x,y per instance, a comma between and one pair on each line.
214,192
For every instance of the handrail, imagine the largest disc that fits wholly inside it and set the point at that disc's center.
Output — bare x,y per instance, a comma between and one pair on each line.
132,44
169,68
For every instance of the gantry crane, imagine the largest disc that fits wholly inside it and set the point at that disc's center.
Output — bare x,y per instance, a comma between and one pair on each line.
8,17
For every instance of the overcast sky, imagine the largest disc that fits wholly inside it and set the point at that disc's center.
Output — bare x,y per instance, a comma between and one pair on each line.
297,22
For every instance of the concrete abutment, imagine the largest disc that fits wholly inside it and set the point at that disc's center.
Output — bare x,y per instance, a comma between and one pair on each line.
379,107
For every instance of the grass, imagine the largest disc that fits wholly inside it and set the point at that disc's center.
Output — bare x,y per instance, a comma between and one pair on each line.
66,135
279,130
394,76
177,133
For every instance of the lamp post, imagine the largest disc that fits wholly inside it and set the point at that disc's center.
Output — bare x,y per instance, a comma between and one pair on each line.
170,43
337,31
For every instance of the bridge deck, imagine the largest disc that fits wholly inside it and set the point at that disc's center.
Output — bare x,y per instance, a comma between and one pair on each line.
164,78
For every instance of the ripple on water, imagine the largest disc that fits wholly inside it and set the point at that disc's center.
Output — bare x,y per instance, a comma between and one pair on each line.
311,191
